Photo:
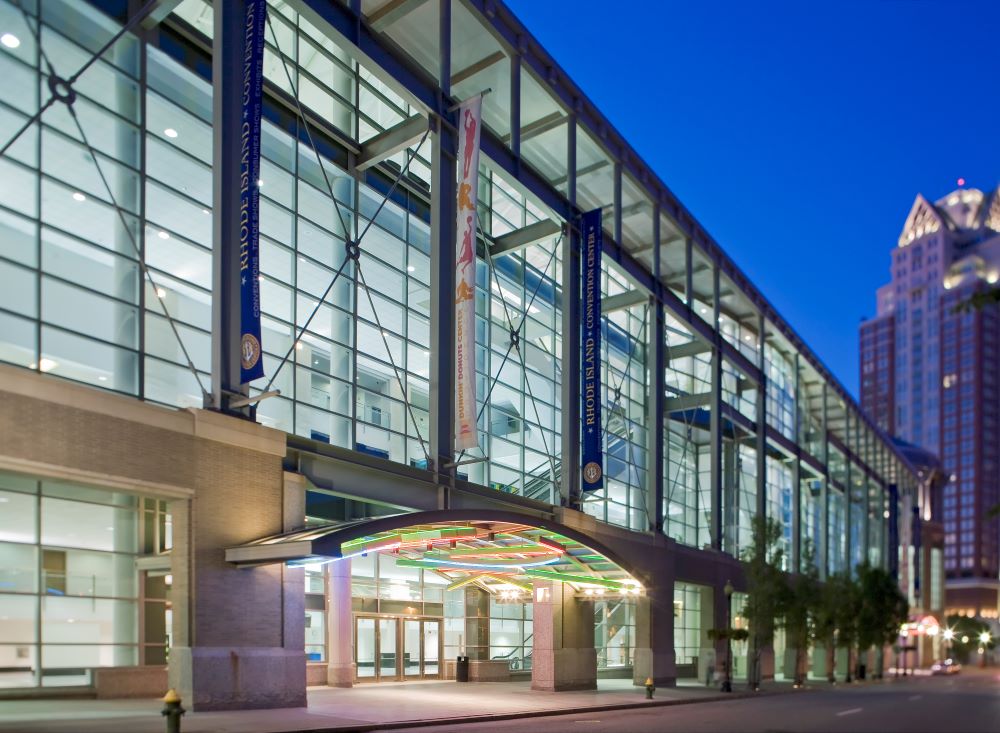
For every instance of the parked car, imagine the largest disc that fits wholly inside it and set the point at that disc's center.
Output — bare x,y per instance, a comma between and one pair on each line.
947,666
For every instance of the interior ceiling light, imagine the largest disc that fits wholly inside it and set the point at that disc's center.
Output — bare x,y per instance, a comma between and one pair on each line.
170,132
10,40
77,196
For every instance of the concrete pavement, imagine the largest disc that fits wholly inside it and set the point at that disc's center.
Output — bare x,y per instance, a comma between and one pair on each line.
363,708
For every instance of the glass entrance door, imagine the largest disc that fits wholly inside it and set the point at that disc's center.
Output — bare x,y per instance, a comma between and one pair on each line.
396,648
388,649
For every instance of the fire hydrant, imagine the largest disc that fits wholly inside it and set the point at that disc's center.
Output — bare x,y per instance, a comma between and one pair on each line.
173,711
649,688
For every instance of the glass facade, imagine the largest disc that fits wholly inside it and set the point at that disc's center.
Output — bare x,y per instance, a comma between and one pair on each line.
70,594
92,270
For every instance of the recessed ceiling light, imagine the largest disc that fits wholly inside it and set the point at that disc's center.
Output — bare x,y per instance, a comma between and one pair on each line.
10,40
163,235
260,182
298,345
410,268
161,293
102,379
77,196
47,365
205,211
170,132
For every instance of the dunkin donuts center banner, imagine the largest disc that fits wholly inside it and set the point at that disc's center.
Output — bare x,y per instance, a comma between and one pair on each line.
251,363
590,361
469,117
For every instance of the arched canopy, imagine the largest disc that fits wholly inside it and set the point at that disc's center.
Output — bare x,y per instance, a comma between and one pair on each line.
500,551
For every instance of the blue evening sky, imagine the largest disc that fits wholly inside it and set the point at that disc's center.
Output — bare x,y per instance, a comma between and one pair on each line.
798,133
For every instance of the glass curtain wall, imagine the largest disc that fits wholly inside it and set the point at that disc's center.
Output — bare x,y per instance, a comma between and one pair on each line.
69,590
622,501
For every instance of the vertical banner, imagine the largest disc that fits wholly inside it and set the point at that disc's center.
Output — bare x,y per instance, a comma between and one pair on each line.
469,116
590,359
893,548
918,553
251,364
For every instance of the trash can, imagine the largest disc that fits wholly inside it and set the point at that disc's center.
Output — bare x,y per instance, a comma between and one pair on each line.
861,671
462,669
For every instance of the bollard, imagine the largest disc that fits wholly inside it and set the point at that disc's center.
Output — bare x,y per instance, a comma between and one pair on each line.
173,711
649,688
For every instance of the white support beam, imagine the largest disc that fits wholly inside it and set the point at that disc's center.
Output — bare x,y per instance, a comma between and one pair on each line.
541,126
158,13
689,349
389,142
471,70
687,402
521,238
613,303
394,10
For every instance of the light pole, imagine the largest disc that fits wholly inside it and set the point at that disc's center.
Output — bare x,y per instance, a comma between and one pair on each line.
948,635
727,683
984,639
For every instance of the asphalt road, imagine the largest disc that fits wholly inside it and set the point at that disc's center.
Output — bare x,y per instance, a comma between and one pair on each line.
964,703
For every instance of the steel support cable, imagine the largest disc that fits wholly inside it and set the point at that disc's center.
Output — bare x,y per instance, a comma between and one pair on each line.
514,341
68,96
67,84
305,125
353,248
135,245
392,362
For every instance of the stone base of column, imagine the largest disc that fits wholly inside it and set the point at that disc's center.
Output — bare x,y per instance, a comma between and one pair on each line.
340,675
661,666
562,670
238,678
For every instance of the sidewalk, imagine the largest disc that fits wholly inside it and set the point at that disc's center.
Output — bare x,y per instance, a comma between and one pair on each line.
364,708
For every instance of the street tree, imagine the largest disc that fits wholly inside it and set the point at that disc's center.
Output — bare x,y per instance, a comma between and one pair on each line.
766,589
882,610
801,609
842,597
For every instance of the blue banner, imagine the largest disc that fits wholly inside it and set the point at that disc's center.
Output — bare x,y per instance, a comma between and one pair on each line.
893,548
590,361
251,363
918,553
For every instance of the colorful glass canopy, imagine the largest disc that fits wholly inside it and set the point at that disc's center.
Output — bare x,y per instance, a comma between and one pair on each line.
502,556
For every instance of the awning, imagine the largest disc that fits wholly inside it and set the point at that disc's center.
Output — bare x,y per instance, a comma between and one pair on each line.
500,551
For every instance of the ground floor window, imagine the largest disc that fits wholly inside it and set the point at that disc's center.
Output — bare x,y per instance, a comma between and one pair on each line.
71,598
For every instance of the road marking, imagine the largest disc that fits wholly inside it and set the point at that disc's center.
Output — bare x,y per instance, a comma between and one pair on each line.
915,697
852,711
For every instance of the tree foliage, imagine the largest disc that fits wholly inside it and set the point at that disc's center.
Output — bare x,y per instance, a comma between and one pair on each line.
801,608
768,588
882,607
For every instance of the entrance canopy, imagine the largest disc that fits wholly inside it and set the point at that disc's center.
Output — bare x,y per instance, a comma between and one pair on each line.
501,552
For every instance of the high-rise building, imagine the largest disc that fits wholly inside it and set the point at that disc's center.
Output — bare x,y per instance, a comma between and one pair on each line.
929,375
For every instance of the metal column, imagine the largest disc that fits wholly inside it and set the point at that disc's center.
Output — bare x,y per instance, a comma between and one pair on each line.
715,419
656,357
227,95
761,442
443,192
570,480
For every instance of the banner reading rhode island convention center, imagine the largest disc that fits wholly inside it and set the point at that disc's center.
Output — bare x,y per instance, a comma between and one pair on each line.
590,362
251,363
469,116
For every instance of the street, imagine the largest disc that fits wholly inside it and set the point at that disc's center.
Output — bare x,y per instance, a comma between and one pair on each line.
965,703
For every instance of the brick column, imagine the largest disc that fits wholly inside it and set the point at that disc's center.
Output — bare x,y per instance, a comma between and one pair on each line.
239,633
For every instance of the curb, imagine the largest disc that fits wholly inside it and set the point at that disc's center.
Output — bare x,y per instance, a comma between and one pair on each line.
550,712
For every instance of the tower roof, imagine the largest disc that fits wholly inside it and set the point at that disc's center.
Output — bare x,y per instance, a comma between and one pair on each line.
962,211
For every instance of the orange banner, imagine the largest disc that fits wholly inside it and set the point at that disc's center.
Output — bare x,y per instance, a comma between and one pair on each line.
469,120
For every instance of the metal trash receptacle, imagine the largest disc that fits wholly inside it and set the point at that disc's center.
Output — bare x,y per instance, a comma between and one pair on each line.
462,669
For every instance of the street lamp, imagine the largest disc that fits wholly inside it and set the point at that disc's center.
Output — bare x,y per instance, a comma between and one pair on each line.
727,683
984,639
948,635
